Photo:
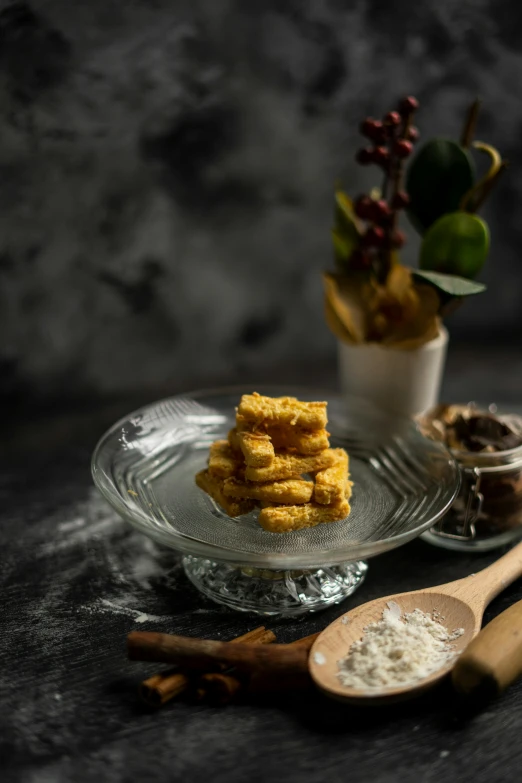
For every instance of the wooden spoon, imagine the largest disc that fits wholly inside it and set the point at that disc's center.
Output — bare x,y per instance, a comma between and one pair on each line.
493,660
459,604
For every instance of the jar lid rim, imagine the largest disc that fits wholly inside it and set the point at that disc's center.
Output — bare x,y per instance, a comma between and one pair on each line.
485,458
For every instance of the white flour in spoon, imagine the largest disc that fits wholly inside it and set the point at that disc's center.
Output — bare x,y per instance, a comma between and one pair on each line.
398,650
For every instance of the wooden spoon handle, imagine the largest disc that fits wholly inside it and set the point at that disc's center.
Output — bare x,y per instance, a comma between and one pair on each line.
480,589
493,660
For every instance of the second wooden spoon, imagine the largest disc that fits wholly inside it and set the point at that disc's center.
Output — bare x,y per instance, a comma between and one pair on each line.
459,604
493,660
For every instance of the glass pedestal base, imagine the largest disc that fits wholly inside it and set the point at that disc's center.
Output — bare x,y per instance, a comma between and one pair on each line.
267,592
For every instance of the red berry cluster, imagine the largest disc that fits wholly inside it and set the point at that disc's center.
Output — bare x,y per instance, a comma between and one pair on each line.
393,139
387,141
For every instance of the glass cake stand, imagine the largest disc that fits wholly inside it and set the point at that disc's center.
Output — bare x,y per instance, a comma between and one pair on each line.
145,467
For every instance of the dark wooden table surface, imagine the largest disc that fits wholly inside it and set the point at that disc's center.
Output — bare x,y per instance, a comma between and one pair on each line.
75,580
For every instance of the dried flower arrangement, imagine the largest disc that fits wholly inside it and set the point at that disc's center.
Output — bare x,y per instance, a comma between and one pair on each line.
372,297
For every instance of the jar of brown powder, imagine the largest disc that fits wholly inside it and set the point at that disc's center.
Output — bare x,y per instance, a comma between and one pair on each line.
488,447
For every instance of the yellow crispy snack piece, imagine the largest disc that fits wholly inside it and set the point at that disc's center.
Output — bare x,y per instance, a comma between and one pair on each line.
303,441
286,465
282,411
348,492
330,484
256,447
213,486
284,492
233,441
284,519
222,461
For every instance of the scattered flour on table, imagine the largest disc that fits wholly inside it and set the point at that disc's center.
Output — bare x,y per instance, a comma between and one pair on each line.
139,617
398,649
91,534
73,524
91,519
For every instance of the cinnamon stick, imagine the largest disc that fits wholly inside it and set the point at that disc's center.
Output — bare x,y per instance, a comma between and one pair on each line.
306,642
265,683
220,689
204,655
161,688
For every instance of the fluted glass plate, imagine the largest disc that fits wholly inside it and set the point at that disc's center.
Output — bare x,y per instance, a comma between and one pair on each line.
146,463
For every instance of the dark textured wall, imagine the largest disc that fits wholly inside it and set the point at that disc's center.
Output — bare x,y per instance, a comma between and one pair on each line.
166,174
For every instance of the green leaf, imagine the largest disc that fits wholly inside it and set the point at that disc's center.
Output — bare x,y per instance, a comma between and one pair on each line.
449,284
343,249
456,244
346,234
346,221
438,177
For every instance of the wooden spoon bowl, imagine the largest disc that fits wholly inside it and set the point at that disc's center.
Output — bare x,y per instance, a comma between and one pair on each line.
334,645
456,605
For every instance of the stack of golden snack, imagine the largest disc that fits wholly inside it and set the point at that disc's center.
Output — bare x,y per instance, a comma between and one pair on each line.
276,441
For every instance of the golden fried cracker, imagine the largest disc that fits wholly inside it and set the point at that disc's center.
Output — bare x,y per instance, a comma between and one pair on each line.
281,411
256,447
233,441
284,519
330,484
286,465
213,486
284,492
222,461
303,441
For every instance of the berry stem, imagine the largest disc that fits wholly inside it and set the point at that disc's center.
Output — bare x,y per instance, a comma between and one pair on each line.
385,183
476,195
468,130
393,139
488,186
396,176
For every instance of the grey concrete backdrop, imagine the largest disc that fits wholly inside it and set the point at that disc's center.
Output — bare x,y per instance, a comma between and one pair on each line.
167,169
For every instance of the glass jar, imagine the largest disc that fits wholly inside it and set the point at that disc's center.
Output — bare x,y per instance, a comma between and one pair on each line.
488,510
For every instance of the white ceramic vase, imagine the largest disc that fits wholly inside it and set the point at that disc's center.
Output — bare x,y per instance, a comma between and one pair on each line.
404,382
